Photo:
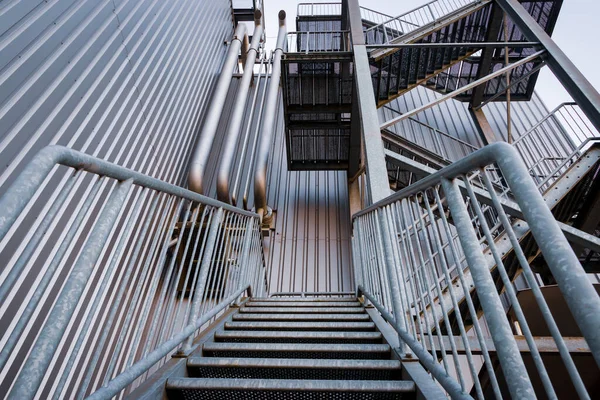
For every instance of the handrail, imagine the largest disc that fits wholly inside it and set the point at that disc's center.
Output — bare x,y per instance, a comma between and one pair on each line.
451,386
398,269
318,41
123,254
445,134
418,17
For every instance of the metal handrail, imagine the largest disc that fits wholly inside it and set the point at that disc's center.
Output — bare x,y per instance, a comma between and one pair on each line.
445,134
325,5
418,17
114,253
318,41
395,240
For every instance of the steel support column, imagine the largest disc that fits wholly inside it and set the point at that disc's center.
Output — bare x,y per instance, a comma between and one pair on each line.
567,73
374,157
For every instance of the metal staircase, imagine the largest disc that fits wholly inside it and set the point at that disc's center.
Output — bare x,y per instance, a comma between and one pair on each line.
294,348
396,70
422,46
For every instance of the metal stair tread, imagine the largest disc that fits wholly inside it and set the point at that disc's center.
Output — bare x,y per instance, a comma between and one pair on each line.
302,326
304,317
196,361
339,335
303,310
300,347
304,299
253,303
290,384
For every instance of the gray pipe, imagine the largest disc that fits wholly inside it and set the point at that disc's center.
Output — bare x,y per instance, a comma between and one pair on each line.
235,123
262,158
199,157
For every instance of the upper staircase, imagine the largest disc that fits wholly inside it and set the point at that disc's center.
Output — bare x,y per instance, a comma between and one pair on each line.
436,59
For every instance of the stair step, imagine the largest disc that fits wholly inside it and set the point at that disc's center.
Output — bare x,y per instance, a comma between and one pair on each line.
282,368
303,304
301,317
198,389
303,299
302,310
297,337
295,350
300,326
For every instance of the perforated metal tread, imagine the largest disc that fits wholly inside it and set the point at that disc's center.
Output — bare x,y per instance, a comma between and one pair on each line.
294,350
303,304
297,337
299,326
303,310
198,388
278,368
301,317
303,299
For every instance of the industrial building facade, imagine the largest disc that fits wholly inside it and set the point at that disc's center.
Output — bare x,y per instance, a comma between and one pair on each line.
379,201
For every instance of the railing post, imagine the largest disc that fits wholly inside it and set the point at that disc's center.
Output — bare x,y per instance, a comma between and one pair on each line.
508,353
383,219
358,259
243,265
203,274
59,318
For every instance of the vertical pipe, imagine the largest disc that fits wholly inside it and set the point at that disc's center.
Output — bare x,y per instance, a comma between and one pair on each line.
262,158
235,122
209,129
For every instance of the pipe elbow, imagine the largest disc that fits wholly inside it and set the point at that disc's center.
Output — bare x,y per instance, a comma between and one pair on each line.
223,187
195,178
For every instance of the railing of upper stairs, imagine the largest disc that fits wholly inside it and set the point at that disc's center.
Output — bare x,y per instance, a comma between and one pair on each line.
112,275
429,259
548,148
398,26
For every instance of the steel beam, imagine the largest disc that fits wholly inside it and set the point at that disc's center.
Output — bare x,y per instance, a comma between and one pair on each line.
580,89
374,157
485,62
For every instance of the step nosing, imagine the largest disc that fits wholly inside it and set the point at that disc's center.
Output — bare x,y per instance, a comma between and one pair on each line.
290,385
224,362
316,347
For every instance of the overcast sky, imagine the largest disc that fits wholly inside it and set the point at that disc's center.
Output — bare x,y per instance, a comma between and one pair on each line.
576,33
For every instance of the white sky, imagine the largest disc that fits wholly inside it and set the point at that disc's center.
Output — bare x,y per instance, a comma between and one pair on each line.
576,33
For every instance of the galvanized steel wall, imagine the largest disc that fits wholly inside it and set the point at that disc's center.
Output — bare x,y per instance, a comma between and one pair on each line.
309,250
453,117
124,80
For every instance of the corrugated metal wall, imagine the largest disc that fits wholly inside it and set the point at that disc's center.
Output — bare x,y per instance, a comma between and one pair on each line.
111,78
453,117
309,250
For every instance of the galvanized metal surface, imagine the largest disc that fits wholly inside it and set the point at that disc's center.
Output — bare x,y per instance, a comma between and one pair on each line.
410,230
89,296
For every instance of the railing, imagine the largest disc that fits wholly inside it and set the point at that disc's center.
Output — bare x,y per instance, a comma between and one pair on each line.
439,142
555,142
315,42
426,250
373,16
396,27
319,9
103,282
